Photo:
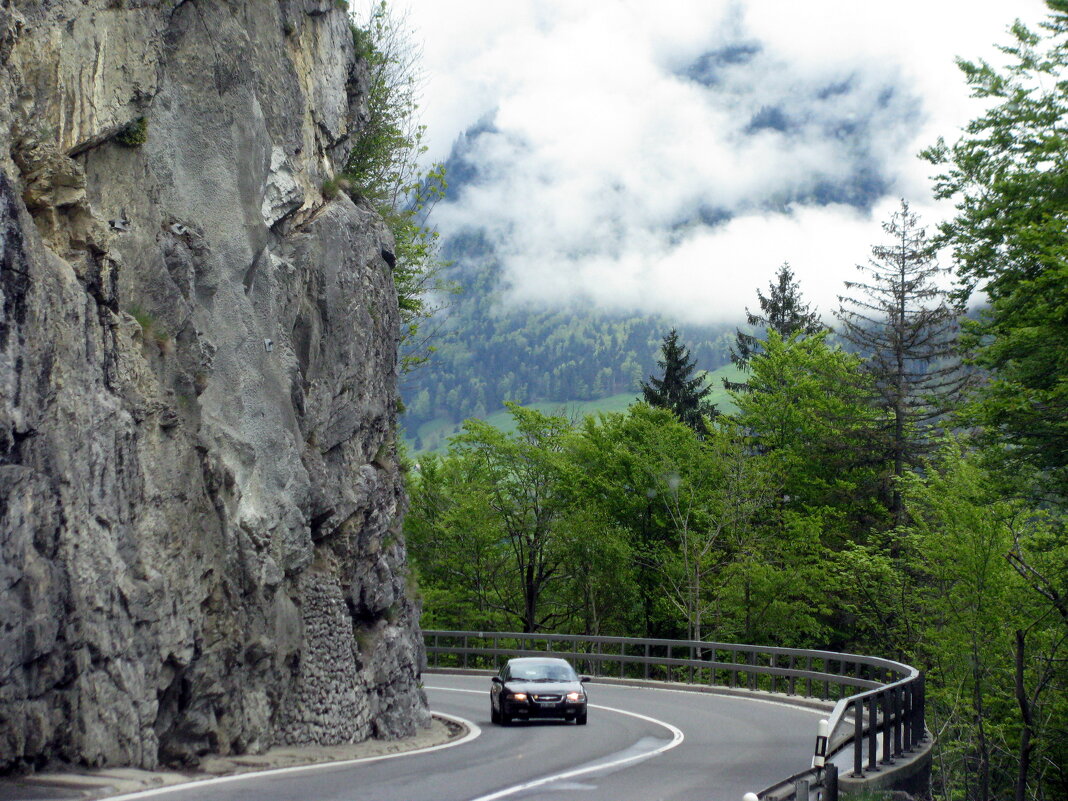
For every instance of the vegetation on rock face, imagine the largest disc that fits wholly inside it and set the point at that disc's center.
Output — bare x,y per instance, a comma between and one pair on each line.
133,134
384,167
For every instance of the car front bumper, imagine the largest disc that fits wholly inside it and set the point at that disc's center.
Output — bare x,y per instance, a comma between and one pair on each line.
550,709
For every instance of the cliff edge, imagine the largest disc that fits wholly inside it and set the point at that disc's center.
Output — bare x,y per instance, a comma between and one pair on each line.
200,500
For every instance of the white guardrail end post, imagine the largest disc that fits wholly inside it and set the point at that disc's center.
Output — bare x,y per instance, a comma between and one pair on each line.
823,730
750,797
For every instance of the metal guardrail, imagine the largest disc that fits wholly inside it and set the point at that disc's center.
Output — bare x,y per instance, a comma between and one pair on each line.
879,707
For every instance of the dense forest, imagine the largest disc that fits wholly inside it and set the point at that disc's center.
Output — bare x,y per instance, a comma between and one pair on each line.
897,489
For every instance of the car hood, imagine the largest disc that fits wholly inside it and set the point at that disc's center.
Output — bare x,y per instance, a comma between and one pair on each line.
543,687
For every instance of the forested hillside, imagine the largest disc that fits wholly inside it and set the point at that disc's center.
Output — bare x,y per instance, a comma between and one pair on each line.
488,350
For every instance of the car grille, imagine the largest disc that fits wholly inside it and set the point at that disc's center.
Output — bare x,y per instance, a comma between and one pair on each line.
547,697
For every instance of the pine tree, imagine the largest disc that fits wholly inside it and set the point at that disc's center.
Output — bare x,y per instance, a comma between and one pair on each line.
679,390
782,311
907,327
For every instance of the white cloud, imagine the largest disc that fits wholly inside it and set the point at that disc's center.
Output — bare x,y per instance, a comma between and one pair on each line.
603,153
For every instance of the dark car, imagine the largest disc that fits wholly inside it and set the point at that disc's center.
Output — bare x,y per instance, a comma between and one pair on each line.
537,687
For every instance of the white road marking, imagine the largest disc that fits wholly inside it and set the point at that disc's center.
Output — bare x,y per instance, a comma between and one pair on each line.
473,731
676,739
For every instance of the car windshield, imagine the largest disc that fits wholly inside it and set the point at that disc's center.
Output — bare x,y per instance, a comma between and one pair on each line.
543,671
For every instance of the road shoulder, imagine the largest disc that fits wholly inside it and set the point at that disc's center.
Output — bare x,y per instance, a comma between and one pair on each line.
92,784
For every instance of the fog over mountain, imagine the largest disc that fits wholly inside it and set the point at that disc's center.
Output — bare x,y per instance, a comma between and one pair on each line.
668,160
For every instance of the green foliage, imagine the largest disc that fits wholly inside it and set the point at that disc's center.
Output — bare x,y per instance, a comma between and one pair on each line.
330,188
806,411
493,513
680,390
643,526
1009,177
782,311
151,330
133,134
973,615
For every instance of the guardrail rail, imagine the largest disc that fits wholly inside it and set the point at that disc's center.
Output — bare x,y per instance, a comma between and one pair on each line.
879,707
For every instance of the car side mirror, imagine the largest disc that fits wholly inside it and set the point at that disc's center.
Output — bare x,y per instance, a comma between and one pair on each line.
584,679
496,680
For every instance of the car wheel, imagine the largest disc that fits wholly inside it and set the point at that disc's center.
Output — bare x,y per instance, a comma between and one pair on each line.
495,716
580,718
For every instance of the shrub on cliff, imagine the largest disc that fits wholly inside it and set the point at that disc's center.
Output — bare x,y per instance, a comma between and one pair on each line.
384,167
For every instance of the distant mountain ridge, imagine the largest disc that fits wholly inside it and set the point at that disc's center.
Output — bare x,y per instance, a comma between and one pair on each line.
489,350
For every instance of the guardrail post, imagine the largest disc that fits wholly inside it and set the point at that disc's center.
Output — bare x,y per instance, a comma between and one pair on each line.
752,673
771,663
907,703
808,680
858,740
887,728
801,790
465,650
646,660
793,678
873,730
830,783
921,709
897,720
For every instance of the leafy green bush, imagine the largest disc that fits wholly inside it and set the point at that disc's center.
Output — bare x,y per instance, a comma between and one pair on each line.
384,168
133,134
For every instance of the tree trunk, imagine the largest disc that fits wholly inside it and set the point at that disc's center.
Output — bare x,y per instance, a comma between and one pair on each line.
530,600
1027,717
982,747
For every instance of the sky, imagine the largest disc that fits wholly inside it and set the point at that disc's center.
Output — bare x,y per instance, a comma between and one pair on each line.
667,157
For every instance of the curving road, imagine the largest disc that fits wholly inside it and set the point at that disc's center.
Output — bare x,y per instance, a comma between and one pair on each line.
640,743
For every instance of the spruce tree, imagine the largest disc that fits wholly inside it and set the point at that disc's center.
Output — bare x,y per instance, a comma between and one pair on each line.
783,311
679,390
906,326
1008,176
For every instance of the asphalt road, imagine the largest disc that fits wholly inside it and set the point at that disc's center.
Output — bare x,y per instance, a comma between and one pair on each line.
641,744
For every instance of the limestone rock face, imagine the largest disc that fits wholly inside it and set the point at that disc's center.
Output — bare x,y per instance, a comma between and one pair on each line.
200,500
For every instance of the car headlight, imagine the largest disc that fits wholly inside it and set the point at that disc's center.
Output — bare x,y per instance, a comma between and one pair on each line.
574,696
518,696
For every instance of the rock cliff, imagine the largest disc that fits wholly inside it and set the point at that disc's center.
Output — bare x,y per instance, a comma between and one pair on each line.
200,500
